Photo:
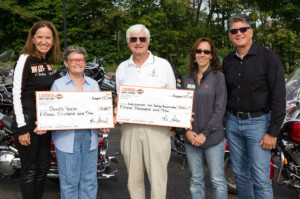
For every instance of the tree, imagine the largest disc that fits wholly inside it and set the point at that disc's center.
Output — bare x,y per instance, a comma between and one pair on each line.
287,11
100,25
17,16
287,44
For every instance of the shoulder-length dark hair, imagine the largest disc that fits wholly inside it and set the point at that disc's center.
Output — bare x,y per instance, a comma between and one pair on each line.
215,61
54,54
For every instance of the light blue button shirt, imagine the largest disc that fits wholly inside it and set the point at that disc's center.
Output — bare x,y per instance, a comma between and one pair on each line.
64,139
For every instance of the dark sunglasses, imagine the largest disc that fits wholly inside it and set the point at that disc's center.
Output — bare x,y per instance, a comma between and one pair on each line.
199,51
134,39
242,30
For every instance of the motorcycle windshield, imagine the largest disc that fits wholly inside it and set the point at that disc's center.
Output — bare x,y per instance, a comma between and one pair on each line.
293,86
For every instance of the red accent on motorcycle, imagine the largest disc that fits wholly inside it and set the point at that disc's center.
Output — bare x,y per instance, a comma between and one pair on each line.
174,132
53,155
294,132
101,141
226,147
271,169
110,77
1,125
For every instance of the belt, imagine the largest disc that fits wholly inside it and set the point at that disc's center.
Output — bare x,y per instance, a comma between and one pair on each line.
246,115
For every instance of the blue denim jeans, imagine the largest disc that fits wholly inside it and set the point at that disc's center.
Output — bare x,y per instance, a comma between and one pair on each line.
78,170
243,138
215,160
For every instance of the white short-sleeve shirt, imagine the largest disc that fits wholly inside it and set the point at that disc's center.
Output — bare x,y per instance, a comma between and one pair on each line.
155,72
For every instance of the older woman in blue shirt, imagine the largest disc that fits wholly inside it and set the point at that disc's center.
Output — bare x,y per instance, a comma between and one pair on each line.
76,150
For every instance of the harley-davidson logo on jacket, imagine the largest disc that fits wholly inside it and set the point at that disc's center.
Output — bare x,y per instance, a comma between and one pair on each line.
30,75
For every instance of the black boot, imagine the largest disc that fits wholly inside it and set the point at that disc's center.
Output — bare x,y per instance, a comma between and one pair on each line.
39,185
27,184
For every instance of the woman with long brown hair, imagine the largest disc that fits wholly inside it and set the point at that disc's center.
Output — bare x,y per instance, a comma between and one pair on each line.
34,72
207,137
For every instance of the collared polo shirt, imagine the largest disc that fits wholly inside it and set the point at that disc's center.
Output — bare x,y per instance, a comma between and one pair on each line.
155,72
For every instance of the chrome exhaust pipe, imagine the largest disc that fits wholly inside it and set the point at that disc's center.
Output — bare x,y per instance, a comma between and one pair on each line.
52,175
108,176
113,158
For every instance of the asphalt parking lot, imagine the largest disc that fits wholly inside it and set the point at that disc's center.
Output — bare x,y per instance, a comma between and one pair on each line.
178,181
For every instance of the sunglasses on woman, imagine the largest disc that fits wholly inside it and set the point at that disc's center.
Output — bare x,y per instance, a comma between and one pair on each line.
199,51
242,30
134,39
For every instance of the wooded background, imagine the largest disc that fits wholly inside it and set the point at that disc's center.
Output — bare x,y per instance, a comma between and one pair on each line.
100,25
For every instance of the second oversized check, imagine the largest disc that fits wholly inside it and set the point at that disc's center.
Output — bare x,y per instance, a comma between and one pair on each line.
155,106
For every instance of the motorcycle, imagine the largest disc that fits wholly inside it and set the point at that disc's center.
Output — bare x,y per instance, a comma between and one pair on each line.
6,65
178,77
10,163
6,73
177,141
95,69
6,99
6,76
177,144
286,156
287,150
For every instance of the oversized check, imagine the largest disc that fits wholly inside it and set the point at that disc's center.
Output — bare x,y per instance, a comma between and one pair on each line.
155,106
59,110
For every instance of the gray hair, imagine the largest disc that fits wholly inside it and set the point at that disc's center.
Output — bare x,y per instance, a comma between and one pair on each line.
137,28
73,49
239,18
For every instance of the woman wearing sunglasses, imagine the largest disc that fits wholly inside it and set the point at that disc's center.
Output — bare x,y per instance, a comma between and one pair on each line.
207,138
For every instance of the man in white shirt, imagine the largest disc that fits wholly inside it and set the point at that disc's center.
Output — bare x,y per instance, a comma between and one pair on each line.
145,146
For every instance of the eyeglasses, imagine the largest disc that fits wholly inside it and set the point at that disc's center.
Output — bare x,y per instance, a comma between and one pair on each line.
242,30
199,51
134,39
73,61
